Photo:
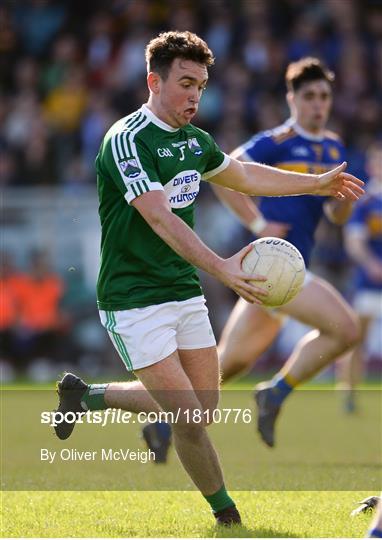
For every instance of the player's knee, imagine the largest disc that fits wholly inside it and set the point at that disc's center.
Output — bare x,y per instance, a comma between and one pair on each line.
349,332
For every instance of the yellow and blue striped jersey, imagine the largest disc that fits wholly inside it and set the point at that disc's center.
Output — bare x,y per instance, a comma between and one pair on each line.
291,148
367,217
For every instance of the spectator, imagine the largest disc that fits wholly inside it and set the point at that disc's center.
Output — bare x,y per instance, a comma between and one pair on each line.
39,317
50,68
37,22
10,281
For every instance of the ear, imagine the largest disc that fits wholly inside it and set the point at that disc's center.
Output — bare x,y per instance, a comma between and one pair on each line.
153,82
290,99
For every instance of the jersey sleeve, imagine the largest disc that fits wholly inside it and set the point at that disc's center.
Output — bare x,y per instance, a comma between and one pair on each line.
217,160
259,148
131,166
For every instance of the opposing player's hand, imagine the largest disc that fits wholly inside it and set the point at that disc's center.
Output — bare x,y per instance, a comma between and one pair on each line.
337,183
275,228
231,274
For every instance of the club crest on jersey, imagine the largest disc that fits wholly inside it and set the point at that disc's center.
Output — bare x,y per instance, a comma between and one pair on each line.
130,167
194,146
334,153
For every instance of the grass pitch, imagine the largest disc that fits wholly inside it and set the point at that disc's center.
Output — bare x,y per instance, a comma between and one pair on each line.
180,514
291,491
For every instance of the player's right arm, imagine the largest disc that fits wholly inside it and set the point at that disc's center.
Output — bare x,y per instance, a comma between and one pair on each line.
156,211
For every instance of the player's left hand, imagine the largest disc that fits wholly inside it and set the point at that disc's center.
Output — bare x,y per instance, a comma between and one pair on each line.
337,183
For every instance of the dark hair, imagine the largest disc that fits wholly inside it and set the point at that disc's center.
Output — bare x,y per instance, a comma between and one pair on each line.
162,51
306,70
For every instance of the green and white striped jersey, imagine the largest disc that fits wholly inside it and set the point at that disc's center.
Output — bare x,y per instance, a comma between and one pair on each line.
140,153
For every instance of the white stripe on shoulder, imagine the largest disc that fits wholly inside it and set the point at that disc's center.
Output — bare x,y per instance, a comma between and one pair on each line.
131,136
115,154
217,170
123,157
129,127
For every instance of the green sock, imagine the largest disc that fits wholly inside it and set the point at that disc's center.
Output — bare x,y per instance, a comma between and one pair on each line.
219,500
94,397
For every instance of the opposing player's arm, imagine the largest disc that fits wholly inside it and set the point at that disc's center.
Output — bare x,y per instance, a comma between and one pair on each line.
357,246
241,205
155,209
257,179
338,211
246,210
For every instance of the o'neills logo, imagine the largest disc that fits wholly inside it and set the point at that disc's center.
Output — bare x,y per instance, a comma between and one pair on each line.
183,188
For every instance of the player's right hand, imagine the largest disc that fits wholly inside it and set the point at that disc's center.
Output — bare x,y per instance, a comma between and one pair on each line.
231,274
339,184
275,228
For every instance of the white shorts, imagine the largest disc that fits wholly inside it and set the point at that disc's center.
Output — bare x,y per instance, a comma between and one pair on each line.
368,303
145,336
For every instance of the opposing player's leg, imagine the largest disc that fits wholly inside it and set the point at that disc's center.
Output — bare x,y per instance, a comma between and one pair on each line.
320,306
350,367
249,331
367,303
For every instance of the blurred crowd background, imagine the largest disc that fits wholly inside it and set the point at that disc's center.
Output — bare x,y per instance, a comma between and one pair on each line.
70,68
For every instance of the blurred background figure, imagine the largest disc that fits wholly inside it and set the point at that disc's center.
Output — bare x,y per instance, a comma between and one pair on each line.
363,241
70,68
10,282
38,294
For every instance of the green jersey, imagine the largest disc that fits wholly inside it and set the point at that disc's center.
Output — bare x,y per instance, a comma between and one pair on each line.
140,153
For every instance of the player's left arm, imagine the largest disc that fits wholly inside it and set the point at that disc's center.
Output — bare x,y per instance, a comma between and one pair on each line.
257,179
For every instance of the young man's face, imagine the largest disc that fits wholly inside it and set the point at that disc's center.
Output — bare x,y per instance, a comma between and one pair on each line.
310,104
180,93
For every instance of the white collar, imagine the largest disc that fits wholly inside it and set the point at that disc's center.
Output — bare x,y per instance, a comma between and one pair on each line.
301,131
157,121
